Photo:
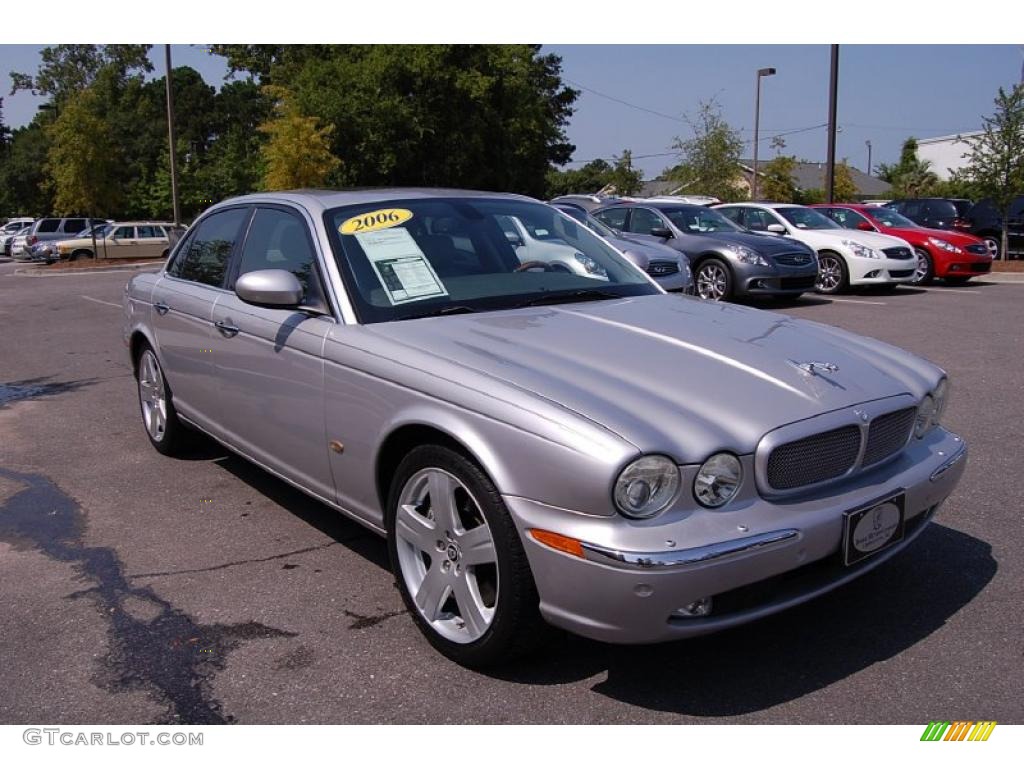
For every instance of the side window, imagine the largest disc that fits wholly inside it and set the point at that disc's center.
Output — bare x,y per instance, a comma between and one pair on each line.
735,215
74,226
278,240
148,232
613,217
48,225
206,258
757,220
643,221
124,233
910,210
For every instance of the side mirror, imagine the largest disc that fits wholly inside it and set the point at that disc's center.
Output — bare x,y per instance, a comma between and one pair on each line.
269,288
775,229
865,226
663,232
514,240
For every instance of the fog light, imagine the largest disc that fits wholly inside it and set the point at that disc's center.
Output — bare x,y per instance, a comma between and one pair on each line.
872,273
694,610
954,268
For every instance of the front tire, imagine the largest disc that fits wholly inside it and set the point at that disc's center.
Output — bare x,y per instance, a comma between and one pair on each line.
713,281
992,242
924,271
833,276
165,431
458,561
81,254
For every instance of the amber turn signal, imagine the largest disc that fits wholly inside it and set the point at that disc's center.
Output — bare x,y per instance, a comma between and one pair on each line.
558,541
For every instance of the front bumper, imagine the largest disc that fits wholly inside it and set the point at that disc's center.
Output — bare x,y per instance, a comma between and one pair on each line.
776,280
880,271
760,558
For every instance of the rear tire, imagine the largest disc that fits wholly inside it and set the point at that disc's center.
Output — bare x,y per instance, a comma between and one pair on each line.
833,276
458,561
924,271
81,254
165,431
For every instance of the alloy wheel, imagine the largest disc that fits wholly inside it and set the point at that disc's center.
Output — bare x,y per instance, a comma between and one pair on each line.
993,247
921,268
830,273
711,282
152,396
446,555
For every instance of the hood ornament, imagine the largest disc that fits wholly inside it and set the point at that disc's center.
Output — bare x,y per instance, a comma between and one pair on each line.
814,368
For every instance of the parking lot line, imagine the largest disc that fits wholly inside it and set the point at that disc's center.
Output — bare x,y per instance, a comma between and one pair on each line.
948,290
859,301
101,301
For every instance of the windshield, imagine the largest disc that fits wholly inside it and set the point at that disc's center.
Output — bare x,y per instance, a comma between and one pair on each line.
101,230
698,220
409,258
806,218
889,218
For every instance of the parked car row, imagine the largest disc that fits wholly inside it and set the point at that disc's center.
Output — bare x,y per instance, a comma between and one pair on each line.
70,238
981,219
542,435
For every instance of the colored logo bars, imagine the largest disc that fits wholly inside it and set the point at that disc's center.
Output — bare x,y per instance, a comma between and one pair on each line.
958,730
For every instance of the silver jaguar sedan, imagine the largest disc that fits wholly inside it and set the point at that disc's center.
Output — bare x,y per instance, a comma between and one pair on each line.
540,447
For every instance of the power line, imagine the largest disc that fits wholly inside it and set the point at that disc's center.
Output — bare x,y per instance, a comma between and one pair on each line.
625,103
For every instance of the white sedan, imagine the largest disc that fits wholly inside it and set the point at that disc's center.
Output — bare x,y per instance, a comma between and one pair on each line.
845,257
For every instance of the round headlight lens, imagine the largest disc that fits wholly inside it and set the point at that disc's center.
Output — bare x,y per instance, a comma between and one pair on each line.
646,486
718,480
925,416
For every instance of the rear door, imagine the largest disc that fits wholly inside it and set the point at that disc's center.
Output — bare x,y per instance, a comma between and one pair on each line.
269,360
151,242
121,243
183,303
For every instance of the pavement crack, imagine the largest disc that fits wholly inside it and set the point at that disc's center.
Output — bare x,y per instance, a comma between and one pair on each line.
234,563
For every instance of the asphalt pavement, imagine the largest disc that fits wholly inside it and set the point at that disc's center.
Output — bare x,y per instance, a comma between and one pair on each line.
139,588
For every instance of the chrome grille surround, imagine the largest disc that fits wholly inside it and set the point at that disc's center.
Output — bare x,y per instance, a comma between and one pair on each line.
823,443
898,252
662,268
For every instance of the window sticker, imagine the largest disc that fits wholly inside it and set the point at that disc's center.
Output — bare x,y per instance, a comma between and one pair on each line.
402,267
375,220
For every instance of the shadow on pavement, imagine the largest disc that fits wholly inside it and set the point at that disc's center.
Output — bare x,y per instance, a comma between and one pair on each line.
789,655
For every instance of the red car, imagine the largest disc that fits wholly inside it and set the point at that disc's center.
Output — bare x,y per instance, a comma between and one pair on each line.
954,256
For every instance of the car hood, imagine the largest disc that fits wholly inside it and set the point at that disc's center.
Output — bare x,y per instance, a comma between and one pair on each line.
666,373
921,234
870,239
652,251
766,245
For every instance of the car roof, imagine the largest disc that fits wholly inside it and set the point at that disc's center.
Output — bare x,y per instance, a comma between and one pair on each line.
324,199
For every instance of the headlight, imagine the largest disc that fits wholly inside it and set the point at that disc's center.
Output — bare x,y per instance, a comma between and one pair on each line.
718,480
747,255
944,245
929,413
590,265
862,251
646,486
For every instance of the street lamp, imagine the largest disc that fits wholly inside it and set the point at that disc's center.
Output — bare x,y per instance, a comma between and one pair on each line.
868,142
763,72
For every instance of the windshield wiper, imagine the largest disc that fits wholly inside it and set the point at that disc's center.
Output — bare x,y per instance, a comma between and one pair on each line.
569,297
451,309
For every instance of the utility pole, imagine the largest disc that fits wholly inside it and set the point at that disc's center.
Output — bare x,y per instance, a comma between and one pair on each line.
833,87
868,142
765,72
171,139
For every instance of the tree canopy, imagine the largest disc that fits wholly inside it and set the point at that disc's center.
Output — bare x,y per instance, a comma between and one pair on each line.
711,157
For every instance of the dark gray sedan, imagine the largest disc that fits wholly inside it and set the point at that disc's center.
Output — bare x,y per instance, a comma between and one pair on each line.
726,259
540,447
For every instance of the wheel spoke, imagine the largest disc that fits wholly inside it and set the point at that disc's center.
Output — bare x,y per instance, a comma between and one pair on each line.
470,609
442,500
432,593
477,546
415,528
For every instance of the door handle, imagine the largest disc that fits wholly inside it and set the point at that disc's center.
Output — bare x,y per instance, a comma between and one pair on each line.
226,329
161,308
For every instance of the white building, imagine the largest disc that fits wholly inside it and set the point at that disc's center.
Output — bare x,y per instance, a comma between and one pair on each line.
946,153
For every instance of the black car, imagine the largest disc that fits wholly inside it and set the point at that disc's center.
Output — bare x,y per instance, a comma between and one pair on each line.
935,212
986,222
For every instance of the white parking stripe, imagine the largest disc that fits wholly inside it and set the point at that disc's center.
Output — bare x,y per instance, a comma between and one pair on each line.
947,290
858,301
101,301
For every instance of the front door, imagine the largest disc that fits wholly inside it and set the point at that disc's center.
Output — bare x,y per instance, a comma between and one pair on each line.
269,360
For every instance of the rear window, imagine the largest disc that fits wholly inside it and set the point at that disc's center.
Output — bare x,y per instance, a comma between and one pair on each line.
941,209
48,225
73,226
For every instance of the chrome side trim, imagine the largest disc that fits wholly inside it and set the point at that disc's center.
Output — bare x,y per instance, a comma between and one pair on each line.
959,456
674,559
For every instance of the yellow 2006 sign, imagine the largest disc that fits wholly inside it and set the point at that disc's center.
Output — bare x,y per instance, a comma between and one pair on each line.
382,219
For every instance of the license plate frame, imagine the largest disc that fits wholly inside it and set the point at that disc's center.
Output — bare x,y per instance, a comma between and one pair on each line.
855,531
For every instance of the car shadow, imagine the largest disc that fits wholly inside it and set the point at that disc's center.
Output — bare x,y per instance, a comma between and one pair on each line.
787,656
328,521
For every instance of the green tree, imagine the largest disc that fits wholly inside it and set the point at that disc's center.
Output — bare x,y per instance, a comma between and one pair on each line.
585,180
67,70
81,162
485,116
995,165
777,183
911,176
844,190
23,174
711,156
297,153
624,178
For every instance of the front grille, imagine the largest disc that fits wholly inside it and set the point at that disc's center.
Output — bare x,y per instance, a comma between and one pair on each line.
899,252
888,434
979,249
662,268
797,283
793,259
814,459
900,272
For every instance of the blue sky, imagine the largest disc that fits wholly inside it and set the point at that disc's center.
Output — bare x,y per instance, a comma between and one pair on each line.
886,93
